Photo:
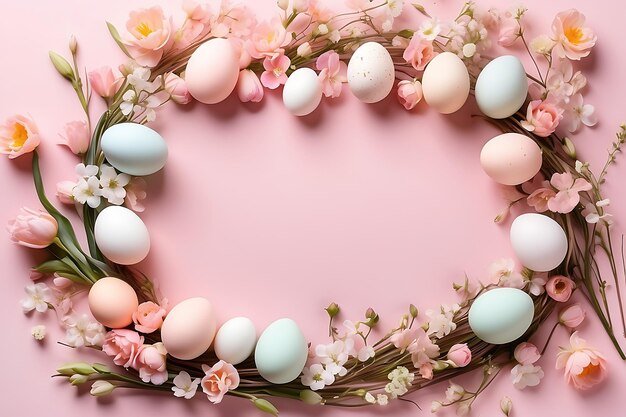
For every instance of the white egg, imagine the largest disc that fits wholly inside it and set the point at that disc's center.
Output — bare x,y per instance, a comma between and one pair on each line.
235,340
281,352
446,83
501,87
371,73
121,235
302,92
501,315
538,241
134,149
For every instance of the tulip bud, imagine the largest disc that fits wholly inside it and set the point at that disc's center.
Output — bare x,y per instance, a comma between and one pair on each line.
62,66
332,310
102,369
76,368
311,397
505,405
78,379
372,317
265,406
101,388
283,4
413,311
569,148
73,45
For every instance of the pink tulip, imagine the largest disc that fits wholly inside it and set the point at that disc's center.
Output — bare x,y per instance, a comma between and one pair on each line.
148,317
460,355
103,82
150,35
249,87
584,366
151,363
76,136
526,353
560,288
65,192
419,52
177,89
123,345
572,316
218,380
542,118
18,135
409,93
33,229
574,41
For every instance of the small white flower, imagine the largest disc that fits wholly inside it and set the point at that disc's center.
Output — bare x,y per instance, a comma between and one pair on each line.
38,332
113,184
365,353
469,49
139,78
435,406
430,29
304,49
401,380
441,323
382,399
317,377
537,285
387,25
334,36
577,112
579,166
37,298
542,45
334,356
128,104
184,386
81,331
526,375
86,171
322,29
88,191
454,392
101,388
370,398
394,7
603,203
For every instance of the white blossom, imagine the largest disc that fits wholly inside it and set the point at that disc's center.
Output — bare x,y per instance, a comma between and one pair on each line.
38,296
81,331
317,377
88,191
183,385
113,184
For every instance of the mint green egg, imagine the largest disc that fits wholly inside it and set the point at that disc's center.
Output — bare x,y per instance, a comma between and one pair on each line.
281,352
134,149
501,315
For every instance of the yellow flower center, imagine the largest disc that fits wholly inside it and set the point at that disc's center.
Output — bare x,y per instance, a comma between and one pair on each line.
20,135
589,369
144,29
574,35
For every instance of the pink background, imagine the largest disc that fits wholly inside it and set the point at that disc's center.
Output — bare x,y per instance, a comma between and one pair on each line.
269,215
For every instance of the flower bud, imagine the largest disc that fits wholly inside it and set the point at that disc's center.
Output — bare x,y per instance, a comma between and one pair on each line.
76,368
569,148
505,405
101,388
78,379
283,4
311,397
102,369
265,406
413,311
572,316
332,310
73,45
372,317
62,66
441,365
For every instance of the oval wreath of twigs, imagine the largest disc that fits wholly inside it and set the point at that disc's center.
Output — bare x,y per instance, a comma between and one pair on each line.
352,370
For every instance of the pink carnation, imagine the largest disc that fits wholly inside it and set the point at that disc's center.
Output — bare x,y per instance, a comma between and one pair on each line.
218,380
419,52
542,118
123,345
148,317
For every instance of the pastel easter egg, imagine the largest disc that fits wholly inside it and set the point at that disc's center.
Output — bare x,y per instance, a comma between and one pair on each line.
281,352
121,235
539,242
371,73
446,83
235,340
189,328
112,302
501,315
511,158
501,87
302,92
212,71
134,149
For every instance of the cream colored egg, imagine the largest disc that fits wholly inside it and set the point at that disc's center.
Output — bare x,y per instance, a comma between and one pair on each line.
511,158
302,92
189,328
212,71
446,83
235,340
112,302
371,73
121,235
539,242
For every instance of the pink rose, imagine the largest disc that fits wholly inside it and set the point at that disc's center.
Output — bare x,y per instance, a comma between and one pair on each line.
332,73
123,345
573,40
177,89
526,353
103,82
218,380
419,52
148,317
33,229
559,288
409,93
18,135
150,35
268,39
460,355
542,118
584,366
76,136
572,316
249,87
151,363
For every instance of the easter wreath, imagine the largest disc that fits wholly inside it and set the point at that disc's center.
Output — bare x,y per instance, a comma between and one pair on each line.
165,350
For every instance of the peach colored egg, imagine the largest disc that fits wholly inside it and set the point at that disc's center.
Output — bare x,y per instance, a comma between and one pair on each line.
511,158
446,83
112,302
189,328
212,71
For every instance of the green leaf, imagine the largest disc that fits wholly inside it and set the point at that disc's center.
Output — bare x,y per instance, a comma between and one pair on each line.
118,40
53,266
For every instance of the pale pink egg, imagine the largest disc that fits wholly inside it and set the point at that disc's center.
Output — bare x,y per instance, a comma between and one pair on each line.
446,83
189,328
212,71
112,302
511,158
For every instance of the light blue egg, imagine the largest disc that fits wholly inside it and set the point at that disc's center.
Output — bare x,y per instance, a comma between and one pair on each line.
281,352
134,149
501,87
501,315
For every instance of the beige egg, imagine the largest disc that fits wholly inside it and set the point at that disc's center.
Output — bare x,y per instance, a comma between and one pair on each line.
189,328
112,302
446,83
511,158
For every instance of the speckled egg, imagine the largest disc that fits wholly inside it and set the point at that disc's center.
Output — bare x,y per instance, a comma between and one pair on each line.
511,158
112,302
446,83
189,328
371,73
